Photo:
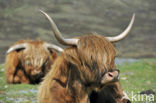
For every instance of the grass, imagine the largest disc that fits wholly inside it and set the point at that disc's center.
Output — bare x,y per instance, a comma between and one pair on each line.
18,93
136,77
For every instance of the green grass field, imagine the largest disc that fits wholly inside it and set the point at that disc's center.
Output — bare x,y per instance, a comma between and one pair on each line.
136,77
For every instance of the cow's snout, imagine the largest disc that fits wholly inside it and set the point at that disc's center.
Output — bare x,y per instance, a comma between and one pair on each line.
110,77
113,75
37,71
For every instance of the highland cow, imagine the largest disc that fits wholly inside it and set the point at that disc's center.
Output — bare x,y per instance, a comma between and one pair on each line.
82,68
27,61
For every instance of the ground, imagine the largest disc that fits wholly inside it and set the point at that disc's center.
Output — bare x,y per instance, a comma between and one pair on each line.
135,77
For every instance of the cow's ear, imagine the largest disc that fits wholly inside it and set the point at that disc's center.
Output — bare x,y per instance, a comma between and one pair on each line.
51,51
18,50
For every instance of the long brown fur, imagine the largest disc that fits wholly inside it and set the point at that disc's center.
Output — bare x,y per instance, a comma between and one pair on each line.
21,63
77,71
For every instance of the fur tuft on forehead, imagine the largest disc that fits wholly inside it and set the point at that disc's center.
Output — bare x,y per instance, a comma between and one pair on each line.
93,56
93,50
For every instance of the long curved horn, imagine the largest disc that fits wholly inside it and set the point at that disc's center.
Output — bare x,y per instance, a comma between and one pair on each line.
59,49
124,33
57,33
16,47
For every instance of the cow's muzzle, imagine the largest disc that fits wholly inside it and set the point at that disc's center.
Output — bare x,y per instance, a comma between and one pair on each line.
110,76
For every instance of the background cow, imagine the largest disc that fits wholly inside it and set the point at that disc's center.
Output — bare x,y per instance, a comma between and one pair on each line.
80,69
27,61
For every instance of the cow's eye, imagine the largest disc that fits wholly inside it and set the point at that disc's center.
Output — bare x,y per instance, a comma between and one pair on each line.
51,51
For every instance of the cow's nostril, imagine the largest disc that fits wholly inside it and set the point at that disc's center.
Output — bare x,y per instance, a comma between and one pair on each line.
110,74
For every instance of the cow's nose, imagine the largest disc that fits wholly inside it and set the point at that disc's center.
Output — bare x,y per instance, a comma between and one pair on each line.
37,70
114,74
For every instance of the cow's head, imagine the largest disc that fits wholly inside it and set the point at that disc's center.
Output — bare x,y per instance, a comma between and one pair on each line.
35,56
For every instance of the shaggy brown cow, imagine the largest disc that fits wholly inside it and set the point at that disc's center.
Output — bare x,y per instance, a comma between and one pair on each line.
27,61
80,69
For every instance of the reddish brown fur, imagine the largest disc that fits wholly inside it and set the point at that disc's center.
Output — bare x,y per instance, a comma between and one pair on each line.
77,71
20,64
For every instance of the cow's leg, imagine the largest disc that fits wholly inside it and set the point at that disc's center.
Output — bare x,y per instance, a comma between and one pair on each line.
11,64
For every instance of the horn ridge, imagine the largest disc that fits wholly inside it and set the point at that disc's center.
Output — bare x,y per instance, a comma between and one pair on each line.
124,33
57,33
48,45
16,47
